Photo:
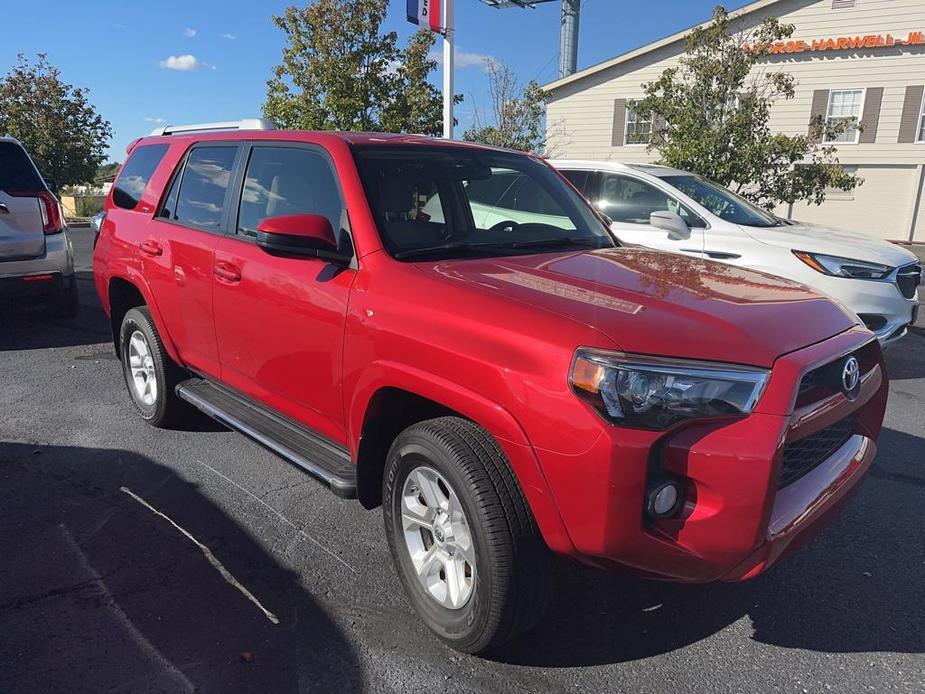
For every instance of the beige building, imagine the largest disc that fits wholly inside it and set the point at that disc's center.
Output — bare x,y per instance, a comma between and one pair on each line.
861,58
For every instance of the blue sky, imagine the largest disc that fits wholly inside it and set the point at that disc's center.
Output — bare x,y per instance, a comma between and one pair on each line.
124,52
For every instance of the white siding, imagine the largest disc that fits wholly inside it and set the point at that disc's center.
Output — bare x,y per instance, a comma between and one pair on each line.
580,113
871,208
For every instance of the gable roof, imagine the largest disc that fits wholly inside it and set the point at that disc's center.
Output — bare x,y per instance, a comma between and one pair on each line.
636,52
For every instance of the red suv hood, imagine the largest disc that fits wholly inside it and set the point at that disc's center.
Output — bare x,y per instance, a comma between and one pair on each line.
663,304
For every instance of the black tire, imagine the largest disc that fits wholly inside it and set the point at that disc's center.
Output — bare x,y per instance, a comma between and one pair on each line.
167,408
67,303
513,578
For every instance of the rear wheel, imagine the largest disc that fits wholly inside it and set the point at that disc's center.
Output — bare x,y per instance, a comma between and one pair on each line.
463,540
150,374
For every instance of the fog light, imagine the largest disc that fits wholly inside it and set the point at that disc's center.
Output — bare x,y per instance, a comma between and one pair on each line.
663,499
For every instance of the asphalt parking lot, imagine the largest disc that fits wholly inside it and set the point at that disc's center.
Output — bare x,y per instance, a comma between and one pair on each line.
111,533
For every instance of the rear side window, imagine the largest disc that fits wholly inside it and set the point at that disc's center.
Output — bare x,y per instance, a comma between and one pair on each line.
204,186
287,180
17,174
134,177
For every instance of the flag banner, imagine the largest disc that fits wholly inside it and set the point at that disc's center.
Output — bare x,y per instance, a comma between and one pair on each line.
430,14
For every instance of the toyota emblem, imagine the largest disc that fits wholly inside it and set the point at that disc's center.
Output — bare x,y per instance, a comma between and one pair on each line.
850,374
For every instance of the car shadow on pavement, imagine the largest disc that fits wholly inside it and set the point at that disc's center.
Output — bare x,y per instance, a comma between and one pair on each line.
856,588
30,326
905,359
105,588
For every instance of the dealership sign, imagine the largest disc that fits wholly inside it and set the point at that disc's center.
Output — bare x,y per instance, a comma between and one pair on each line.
838,43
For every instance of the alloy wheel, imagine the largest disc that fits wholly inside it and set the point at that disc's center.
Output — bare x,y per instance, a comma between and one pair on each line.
438,538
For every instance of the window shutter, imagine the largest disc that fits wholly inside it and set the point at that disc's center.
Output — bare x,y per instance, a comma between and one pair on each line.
619,122
820,104
909,121
870,118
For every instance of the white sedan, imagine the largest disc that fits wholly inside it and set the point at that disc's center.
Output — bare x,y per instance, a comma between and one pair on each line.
672,210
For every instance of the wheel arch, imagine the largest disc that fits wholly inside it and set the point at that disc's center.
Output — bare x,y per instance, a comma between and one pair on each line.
126,293
379,413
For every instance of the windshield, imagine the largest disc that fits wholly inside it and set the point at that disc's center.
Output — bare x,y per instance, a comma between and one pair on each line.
722,202
451,202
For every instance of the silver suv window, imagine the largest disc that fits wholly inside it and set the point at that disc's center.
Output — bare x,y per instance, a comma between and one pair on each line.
17,173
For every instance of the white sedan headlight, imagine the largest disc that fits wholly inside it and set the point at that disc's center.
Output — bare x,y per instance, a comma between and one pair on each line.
655,392
844,267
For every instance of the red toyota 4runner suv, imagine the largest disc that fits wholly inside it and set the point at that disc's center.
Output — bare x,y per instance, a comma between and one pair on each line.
448,330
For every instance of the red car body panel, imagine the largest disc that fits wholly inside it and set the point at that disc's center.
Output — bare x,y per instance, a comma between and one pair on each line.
494,339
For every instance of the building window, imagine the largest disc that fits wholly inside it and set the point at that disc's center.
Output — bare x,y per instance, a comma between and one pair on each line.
638,128
844,105
842,4
837,193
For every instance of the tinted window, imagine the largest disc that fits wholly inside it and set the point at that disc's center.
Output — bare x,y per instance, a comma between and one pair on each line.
287,180
581,180
201,199
134,177
511,190
455,202
16,171
722,202
627,199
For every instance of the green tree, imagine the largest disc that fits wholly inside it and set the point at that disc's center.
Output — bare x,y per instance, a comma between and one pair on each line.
417,105
339,71
55,122
710,116
516,117
107,172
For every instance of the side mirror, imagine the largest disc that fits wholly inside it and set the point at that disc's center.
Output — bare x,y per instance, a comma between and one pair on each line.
307,235
51,183
672,223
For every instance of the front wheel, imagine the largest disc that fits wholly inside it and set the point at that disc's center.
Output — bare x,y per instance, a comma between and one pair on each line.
463,540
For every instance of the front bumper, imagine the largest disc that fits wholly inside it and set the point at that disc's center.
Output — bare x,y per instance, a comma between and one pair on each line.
879,303
735,521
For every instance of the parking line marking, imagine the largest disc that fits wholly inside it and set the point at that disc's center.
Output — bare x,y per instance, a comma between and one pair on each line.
280,516
225,573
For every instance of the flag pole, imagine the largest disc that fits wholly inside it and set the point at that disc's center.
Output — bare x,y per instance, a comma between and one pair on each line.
448,57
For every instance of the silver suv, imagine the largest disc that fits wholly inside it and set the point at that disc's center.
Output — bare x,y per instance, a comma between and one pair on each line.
36,256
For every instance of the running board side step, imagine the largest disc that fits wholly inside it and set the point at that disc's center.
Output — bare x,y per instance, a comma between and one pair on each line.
325,461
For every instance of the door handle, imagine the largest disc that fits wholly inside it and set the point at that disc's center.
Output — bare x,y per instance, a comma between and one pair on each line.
226,271
4,209
152,248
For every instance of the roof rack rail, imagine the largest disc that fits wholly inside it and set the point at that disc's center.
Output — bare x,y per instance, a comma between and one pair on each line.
243,124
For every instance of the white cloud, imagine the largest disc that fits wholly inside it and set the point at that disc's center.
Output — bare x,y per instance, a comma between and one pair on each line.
463,59
118,26
158,121
184,63
230,37
189,33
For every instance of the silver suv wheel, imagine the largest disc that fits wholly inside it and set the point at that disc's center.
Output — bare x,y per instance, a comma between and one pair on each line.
141,364
437,538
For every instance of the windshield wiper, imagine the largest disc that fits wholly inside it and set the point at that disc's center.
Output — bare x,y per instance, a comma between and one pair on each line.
561,242
475,248
494,246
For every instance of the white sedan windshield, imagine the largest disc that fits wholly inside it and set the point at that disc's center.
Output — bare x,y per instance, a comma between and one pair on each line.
722,202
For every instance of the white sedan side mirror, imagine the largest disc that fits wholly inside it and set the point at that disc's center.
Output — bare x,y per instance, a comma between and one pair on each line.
672,223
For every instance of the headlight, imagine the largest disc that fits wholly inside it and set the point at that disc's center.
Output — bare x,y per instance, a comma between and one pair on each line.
654,392
844,267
